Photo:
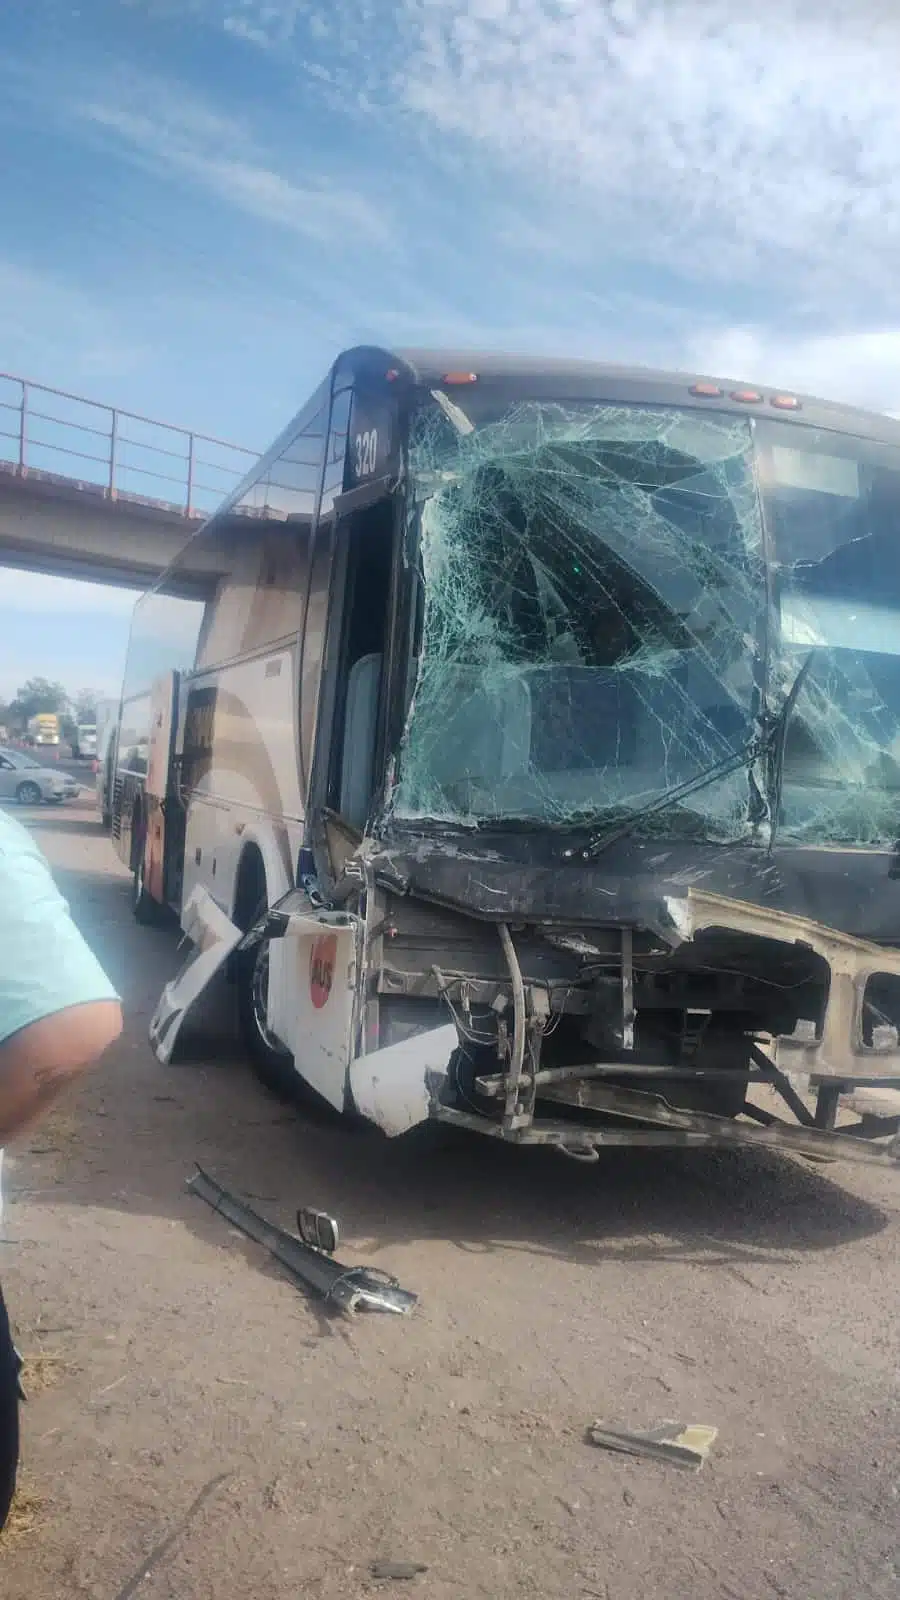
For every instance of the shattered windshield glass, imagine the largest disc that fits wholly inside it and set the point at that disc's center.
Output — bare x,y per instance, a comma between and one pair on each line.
594,610
833,507
602,642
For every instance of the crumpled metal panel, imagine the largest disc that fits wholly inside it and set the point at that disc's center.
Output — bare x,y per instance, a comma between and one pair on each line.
837,1050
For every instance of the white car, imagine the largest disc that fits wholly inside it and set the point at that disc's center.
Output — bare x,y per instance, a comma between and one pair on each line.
24,779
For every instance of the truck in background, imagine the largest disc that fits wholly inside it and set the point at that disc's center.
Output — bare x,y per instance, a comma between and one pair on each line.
88,737
84,741
43,729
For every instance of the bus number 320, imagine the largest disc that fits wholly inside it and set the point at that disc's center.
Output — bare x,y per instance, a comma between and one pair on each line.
366,447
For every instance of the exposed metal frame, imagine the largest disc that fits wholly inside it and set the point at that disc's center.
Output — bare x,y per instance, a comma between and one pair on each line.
837,1058
670,1127
850,962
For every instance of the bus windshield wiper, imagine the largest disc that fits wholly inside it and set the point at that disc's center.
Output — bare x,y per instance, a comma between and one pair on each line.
603,838
771,744
777,743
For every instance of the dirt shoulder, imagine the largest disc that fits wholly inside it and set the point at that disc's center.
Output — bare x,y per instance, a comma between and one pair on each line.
183,1391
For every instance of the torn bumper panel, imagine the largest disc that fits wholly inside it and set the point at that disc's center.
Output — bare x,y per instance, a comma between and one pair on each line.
836,1050
213,936
391,1087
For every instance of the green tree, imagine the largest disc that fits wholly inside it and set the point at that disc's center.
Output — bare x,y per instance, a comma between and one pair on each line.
38,694
85,707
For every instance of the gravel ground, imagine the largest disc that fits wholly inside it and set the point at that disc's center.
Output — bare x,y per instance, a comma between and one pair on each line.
198,1430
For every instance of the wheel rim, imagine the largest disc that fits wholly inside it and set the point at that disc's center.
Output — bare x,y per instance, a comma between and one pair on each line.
29,794
259,991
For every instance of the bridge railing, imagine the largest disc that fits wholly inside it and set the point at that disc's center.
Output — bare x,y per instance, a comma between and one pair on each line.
121,453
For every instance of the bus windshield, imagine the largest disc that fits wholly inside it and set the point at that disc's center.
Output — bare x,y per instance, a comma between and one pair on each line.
832,502
618,604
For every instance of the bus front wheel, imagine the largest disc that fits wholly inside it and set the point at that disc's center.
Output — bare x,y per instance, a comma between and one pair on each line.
272,1063
145,909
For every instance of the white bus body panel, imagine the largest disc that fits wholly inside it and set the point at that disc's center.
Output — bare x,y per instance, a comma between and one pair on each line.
247,787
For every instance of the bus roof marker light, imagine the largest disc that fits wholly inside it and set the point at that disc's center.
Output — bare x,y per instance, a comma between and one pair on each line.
707,391
785,402
747,397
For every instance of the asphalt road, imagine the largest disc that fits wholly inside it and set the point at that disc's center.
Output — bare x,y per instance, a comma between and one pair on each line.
198,1430
81,770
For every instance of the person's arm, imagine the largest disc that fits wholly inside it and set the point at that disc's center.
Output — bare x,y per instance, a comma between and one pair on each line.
58,1010
39,1061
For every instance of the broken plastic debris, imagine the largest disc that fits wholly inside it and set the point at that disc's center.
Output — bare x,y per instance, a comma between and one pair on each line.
684,1444
397,1569
805,1030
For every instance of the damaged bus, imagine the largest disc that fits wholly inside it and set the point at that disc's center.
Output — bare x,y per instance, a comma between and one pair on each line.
526,737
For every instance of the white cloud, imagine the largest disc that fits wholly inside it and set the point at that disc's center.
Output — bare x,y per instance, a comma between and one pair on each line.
753,151
178,133
46,596
724,141
733,143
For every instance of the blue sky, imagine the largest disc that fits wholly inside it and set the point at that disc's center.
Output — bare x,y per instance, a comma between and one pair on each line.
204,200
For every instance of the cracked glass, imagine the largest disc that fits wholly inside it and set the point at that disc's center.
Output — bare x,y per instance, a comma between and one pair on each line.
594,609
833,506
685,622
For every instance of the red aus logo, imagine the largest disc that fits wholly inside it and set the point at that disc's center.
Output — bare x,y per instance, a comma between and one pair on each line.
321,969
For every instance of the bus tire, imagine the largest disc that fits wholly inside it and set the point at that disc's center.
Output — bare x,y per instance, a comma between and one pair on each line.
144,908
271,1061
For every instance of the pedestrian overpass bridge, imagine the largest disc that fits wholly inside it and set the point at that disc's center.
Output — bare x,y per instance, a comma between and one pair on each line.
93,492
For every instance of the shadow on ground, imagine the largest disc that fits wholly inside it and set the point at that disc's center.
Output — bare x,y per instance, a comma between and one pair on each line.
142,1127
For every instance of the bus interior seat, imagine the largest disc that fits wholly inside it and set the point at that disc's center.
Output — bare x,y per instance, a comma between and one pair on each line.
360,726
484,722
583,720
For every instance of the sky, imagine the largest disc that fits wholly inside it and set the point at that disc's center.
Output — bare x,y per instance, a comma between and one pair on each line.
205,200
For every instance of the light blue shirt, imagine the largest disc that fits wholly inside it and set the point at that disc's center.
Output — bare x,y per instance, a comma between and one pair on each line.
45,965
